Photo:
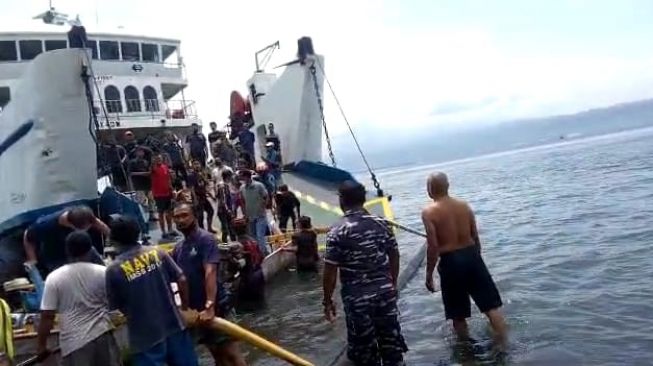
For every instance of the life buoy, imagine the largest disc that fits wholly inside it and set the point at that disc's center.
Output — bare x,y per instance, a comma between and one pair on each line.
238,105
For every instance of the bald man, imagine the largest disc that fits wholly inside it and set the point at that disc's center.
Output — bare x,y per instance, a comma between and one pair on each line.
453,239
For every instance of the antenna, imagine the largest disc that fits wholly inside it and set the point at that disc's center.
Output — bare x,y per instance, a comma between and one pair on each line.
260,64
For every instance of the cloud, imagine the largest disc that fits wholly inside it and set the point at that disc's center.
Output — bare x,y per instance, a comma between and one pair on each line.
389,72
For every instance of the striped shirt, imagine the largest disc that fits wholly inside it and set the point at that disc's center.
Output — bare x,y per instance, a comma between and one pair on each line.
359,245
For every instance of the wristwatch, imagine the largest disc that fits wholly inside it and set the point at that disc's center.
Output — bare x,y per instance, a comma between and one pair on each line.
209,304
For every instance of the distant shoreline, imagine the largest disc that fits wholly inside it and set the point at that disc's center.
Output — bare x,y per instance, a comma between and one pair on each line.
390,170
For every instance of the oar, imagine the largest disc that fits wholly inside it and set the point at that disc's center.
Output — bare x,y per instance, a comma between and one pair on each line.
245,335
38,358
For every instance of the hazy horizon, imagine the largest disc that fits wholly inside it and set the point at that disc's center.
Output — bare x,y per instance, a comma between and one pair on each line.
437,146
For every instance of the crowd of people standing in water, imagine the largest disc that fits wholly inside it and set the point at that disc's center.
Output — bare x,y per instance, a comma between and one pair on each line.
360,248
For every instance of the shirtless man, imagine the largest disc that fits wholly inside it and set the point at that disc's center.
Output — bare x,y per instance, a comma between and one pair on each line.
452,237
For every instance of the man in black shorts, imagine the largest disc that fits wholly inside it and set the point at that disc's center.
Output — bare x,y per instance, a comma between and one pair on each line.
196,145
139,171
175,154
453,238
305,242
287,203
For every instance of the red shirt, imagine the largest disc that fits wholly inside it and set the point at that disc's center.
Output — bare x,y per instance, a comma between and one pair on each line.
161,187
251,248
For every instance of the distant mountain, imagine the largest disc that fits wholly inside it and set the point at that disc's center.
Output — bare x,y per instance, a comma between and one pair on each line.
433,146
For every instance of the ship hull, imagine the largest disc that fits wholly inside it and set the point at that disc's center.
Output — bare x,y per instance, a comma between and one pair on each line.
49,155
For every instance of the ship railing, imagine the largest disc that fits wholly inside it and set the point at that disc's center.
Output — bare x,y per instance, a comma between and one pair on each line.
139,109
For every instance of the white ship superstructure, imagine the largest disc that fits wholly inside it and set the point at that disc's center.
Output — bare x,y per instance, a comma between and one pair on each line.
139,81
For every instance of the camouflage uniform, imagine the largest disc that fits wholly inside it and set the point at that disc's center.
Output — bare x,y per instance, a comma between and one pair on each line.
359,246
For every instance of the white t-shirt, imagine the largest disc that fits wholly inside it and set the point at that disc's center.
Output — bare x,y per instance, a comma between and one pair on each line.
77,292
217,173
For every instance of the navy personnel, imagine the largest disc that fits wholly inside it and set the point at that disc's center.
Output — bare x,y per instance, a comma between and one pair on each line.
363,248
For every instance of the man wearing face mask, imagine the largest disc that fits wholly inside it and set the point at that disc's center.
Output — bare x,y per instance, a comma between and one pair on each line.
44,239
196,145
198,257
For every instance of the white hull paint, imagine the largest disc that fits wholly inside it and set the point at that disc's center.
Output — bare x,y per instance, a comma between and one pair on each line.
276,262
54,161
290,103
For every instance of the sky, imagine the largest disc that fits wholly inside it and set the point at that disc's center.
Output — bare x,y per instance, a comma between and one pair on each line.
402,64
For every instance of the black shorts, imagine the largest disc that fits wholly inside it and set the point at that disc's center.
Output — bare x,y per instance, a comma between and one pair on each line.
163,204
463,274
306,266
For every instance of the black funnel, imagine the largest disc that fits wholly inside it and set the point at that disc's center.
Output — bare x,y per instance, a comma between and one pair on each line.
304,48
77,37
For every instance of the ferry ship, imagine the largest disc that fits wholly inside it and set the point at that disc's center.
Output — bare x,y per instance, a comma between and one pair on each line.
59,100
133,83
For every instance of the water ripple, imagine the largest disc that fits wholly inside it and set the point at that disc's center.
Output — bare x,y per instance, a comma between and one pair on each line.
567,234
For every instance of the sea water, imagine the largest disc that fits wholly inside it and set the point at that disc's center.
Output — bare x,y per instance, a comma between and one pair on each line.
567,233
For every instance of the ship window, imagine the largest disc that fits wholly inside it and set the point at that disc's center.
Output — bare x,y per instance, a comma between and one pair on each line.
5,96
8,51
132,99
169,54
92,44
55,45
150,52
30,49
112,99
109,50
130,51
151,100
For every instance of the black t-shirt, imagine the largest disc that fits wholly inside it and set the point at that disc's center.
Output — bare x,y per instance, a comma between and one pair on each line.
113,155
48,236
138,284
306,242
130,147
197,143
174,152
248,159
214,136
141,183
199,183
286,203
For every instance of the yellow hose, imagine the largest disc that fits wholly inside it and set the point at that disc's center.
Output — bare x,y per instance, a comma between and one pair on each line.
257,341
192,317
